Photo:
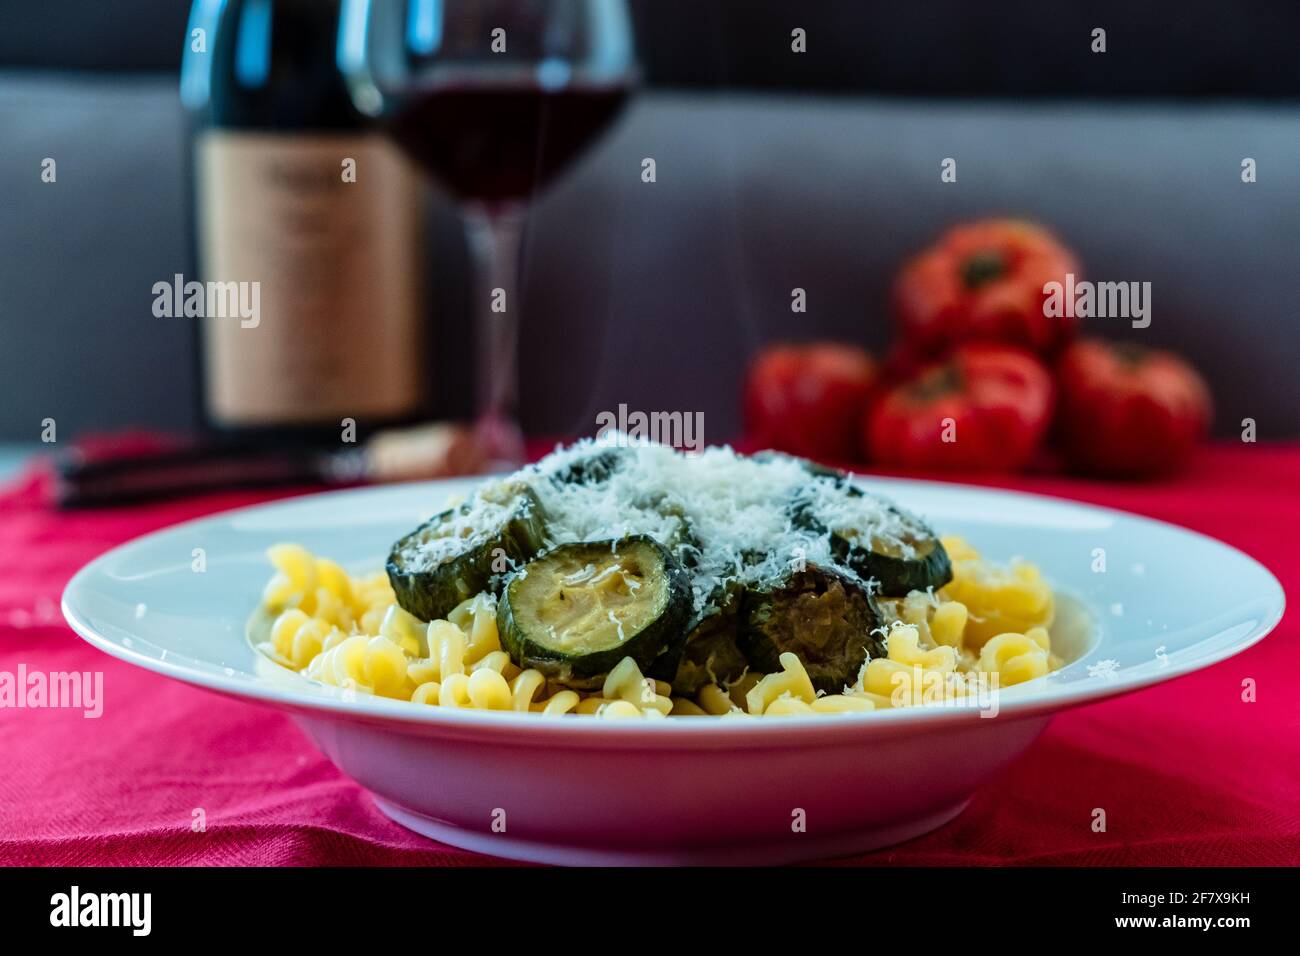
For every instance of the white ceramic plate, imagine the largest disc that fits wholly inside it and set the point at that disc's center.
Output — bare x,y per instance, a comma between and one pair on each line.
579,790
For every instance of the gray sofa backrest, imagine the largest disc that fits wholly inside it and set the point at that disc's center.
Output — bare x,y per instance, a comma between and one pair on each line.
655,294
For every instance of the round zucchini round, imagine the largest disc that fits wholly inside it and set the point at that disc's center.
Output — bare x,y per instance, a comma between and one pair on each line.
710,654
577,610
595,468
455,555
814,470
914,562
820,614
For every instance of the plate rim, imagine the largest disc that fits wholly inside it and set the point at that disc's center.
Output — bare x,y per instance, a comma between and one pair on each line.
1043,697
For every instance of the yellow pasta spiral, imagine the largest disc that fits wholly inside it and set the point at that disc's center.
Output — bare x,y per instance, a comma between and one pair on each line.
997,598
990,622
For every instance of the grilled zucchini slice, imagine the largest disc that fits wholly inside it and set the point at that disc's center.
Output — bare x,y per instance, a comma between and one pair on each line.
911,561
593,469
841,478
461,552
823,615
577,610
916,560
710,654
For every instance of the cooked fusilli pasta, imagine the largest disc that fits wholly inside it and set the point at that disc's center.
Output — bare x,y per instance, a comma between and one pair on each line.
990,622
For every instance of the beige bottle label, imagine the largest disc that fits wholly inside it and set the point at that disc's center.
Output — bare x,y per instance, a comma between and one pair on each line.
337,262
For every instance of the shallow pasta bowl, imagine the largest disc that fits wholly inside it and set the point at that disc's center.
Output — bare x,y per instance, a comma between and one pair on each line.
691,790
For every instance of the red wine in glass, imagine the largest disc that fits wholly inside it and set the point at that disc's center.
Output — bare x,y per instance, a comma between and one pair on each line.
495,98
503,143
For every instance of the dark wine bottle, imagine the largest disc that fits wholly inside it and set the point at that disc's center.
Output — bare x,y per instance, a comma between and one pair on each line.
307,229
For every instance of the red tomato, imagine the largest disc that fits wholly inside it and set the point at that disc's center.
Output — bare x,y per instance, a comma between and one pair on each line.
808,399
1128,410
985,408
983,281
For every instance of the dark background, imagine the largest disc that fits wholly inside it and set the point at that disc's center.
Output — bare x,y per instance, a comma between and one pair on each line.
1022,48
776,170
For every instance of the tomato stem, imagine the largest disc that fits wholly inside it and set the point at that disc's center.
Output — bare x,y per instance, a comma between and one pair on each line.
983,267
1129,353
942,380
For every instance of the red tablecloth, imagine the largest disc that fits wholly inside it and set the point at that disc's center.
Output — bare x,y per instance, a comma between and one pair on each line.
1187,772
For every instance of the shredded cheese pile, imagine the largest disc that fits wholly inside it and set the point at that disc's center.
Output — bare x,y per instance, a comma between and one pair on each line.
729,518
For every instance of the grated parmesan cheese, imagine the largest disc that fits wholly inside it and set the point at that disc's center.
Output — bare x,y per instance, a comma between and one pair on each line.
727,517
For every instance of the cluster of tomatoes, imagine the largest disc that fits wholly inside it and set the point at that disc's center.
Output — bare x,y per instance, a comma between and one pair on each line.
982,375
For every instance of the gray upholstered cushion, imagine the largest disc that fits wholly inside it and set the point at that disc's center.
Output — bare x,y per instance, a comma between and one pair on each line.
655,294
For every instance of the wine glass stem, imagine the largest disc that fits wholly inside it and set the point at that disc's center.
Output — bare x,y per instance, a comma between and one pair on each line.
495,235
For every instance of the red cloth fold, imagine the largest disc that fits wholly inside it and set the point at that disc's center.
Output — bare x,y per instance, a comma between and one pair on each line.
1187,772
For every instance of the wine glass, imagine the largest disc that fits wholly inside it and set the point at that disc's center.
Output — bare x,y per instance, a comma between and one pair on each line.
493,98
